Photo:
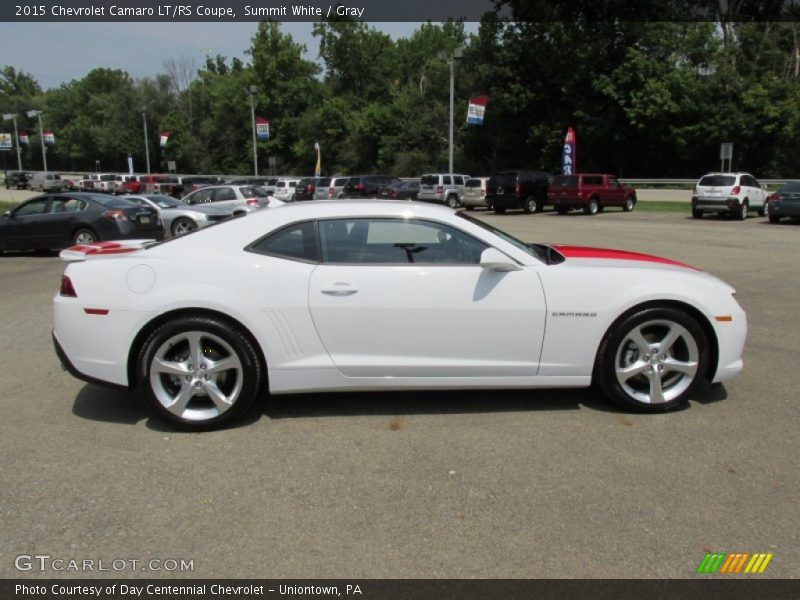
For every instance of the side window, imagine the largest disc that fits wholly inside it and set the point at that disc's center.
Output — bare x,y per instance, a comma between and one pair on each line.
612,182
446,180
396,241
223,194
35,207
75,205
296,242
201,197
458,180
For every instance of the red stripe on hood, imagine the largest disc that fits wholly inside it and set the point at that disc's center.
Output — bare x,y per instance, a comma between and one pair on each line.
586,252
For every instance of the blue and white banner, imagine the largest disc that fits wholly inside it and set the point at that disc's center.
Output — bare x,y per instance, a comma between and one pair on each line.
476,110
568,160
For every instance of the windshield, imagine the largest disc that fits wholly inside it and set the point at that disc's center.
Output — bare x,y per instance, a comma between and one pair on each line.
164,201
538,251
718,180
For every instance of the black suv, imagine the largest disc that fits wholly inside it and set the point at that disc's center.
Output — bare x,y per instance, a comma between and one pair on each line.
367,186
306,187
517,189
18,179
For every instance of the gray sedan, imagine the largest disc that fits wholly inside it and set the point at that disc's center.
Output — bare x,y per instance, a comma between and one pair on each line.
180,218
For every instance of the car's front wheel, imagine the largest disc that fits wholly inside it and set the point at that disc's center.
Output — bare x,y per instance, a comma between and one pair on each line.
199,372
182,225
593,207
653,360
629,204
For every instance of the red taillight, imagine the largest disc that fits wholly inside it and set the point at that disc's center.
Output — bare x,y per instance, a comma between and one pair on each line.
735,191
440,189
518,190
115,215
773,197
359,186
330,192
67,289
310,188
252,202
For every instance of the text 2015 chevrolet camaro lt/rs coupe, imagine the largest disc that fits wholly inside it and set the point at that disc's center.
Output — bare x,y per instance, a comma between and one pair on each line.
358,295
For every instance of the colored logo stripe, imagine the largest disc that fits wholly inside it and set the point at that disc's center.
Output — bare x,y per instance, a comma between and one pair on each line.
734,562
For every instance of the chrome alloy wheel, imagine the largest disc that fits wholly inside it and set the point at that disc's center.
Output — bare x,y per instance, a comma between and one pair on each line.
196,375
182,226
656,361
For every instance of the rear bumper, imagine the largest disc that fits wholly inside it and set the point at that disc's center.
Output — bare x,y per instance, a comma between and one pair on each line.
715,204
428,197
470,201
67,365
779,209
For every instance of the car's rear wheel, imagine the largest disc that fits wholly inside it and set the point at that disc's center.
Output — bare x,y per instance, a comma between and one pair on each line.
629,204
452,201
199,372
84,236
183,225
531,206
742,212
593,207
653,360
761,211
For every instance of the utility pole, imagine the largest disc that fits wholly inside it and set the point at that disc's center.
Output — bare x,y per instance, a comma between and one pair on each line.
146,144
251,91
13,117
38,113
451,60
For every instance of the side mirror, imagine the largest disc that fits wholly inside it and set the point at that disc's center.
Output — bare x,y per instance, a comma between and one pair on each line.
494,260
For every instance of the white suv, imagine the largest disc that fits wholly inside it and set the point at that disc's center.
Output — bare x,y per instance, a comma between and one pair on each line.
729,193
284,189
442,187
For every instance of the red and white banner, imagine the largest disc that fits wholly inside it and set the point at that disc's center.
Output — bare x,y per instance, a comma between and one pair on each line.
164,138
262,128
49,137
23,137
476,110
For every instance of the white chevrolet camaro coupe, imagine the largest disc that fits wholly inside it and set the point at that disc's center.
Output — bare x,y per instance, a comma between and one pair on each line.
365,295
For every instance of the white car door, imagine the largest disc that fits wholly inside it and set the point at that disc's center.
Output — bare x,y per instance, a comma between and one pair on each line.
408,298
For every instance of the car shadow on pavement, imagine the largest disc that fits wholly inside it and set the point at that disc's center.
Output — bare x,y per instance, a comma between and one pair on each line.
96,403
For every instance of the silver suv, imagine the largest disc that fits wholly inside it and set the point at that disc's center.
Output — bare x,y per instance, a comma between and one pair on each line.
445,188
236,198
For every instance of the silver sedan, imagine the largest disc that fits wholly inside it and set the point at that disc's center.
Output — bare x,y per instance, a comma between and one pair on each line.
180,218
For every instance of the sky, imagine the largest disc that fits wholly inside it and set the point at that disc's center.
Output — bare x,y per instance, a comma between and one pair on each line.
55,53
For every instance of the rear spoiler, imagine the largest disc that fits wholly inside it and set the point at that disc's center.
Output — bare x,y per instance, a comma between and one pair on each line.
84,251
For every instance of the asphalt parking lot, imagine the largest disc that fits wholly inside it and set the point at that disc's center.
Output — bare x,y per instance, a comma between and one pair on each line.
518,484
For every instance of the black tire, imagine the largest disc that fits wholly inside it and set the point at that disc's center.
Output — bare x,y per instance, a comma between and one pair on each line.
629,205
200,413
452,201
774,219
697,214
741,212
531,206
593,207
84,235
182,225
619,351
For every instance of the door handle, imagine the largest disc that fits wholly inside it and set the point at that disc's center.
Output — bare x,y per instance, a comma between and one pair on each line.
339,288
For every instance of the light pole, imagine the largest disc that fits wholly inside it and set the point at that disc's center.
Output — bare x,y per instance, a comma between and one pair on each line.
251,92
451,60
146,144
13,117
38,113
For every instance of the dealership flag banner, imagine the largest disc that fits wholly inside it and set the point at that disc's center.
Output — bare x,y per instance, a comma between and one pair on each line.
477,106
164,138
23,137
5,141
49,137
318,168
568,155
262,128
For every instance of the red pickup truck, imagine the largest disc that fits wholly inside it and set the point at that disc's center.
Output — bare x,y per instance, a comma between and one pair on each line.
591,192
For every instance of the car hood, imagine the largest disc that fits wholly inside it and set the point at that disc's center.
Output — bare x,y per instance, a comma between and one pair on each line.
604,257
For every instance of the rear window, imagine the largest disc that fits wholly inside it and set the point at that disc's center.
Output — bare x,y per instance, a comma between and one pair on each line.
112,202
324,182
429,180
473,183
793,187
253,191
565,181
717,180
505,179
